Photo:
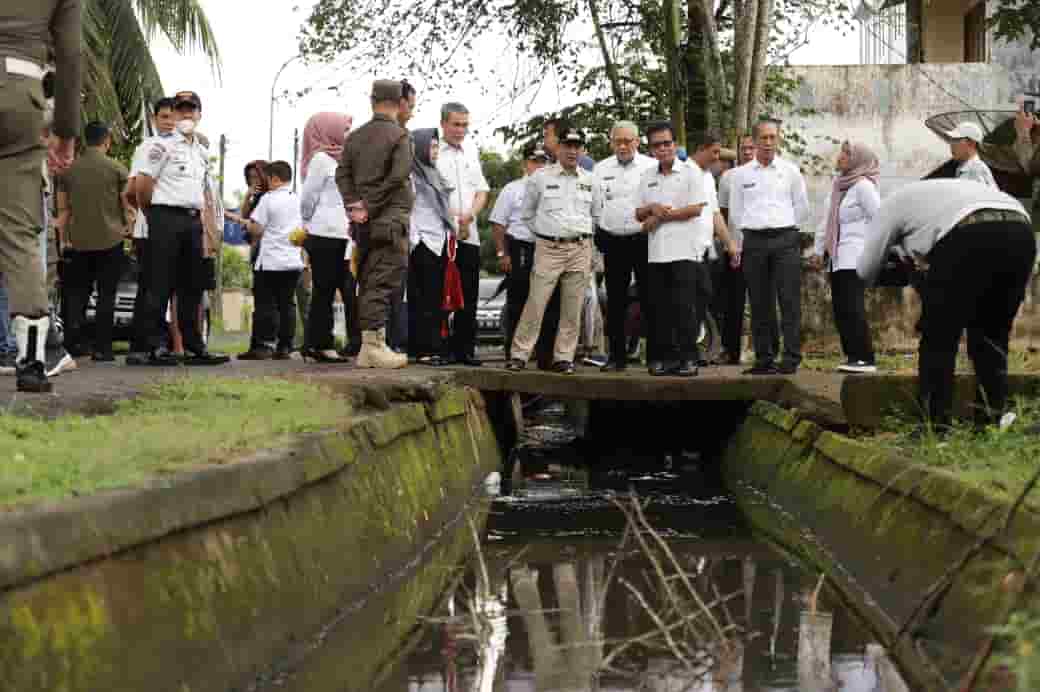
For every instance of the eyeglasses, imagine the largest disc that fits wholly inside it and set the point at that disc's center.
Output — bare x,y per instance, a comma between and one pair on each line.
662,143
625,142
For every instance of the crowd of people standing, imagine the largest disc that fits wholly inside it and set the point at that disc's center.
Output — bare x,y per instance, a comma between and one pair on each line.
387,212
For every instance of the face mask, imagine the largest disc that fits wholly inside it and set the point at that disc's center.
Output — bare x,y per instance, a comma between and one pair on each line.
186,127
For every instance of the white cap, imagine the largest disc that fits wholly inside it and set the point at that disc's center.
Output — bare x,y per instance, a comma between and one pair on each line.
966,131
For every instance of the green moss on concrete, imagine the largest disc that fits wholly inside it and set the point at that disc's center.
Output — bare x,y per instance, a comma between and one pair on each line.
201,609
452,404
383,430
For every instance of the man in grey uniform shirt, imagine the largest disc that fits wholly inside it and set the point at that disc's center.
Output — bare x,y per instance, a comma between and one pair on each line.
976,249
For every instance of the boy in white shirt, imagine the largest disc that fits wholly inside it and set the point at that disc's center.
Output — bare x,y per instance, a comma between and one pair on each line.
278,262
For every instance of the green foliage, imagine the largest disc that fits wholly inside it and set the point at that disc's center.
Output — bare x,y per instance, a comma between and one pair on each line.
499,172
1019,649
1017,20
235,269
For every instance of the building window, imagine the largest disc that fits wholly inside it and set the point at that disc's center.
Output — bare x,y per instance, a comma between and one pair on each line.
975,34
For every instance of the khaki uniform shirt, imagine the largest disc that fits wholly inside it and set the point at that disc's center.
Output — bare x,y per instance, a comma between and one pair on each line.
94,185
558,204
376,169
29,29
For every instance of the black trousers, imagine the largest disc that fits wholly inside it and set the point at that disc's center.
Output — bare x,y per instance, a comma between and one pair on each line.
729,298
425,298
623,256
850,315
348,292
174,265
141,247
327,268
672,289
275,294
976,281
521,256
773,270
463,340
86,268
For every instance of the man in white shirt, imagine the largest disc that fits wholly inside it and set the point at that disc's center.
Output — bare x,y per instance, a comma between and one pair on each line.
671,197
707,147
619,236
278,262
964,148
514,243
977,248
729,289
768,202
461,168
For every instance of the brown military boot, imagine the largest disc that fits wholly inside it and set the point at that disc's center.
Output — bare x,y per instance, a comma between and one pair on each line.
376,354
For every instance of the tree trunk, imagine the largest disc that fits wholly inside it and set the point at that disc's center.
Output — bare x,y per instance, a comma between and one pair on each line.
914,31
676,78
706,85
743,49
608,60
759,62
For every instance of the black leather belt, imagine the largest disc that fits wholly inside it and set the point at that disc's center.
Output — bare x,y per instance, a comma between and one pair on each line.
572,239
992,215
771,231
184,211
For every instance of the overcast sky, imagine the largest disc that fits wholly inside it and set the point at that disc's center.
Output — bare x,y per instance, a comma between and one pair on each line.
257,36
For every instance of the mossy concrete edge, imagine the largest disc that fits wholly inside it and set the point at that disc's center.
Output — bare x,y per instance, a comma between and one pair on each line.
885,528
281,544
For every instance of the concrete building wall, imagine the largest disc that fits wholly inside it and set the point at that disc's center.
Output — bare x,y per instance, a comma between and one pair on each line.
943,34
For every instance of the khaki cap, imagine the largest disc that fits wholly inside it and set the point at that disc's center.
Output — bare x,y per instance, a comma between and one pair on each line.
386,90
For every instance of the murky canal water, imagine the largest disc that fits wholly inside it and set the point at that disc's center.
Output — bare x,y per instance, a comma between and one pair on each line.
640,578
567,594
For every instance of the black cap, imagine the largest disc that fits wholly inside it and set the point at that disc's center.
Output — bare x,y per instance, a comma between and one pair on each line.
571,135
191,97
534,152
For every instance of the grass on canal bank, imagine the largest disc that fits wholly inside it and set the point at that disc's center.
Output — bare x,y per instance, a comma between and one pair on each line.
997,461
172,425
905,363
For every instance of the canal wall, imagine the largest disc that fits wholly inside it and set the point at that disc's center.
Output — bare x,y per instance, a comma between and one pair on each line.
885,531
200,581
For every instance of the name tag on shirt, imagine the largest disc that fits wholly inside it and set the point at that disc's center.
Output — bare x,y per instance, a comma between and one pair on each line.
748,186
651,184
552,187
584,187
609,177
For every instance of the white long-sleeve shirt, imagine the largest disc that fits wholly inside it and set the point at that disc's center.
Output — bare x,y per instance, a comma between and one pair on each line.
772,196
321,204
857,212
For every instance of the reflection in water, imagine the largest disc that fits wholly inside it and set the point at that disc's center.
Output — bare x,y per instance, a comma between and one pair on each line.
575,591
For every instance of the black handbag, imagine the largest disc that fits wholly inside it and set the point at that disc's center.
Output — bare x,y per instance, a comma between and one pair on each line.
895,273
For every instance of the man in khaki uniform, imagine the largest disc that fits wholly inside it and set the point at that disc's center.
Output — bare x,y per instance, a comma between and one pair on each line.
90,192
374,177
561,205
29,30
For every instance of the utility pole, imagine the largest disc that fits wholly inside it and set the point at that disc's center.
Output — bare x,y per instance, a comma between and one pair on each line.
295,157
218,309
270,122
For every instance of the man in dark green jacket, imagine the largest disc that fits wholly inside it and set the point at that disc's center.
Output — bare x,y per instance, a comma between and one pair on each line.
374,177
30,30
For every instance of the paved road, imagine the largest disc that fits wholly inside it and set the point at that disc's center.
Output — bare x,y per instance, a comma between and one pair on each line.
93,387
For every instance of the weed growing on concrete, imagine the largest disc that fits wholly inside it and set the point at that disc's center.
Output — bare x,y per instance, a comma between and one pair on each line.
172,426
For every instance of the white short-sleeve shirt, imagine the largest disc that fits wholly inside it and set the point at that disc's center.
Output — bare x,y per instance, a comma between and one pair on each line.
180,169
320,201
620,185
676,240
508,208
462,170
279,214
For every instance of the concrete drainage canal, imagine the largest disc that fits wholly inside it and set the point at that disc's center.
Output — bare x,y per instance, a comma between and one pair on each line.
607,568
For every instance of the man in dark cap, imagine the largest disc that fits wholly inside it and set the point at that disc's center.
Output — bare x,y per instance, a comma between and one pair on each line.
561,206
374,177
29,30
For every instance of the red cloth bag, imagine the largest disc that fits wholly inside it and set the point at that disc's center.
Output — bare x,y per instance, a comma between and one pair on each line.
453,297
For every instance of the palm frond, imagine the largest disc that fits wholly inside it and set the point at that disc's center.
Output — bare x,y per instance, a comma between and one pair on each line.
183,22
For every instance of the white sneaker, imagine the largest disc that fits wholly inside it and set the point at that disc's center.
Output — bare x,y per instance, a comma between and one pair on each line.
58,361
858,366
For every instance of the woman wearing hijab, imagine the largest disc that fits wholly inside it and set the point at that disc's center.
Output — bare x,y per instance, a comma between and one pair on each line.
325,219
854,203
431,229
256,179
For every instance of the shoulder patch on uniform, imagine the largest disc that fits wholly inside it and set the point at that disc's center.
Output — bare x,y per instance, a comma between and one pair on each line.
585,187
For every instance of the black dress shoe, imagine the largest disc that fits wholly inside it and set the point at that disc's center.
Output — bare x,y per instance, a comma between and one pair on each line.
516,365
206,358
658,369
686,368
433,361
32,377
256,353
732,359
283,353
103,357
471,361
762,369
787,368
564,367
702,362
614,366
163,359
